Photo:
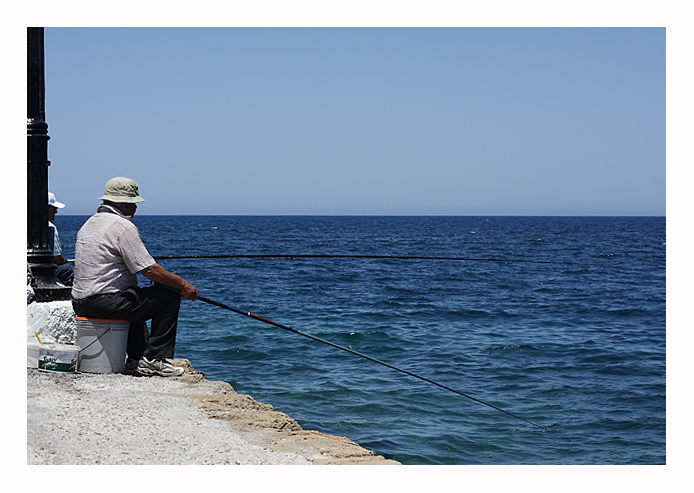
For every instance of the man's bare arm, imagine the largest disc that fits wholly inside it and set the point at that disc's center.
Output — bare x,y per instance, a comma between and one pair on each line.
160,275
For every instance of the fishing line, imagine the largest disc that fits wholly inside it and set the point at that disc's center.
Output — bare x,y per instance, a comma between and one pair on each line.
290,329
393,257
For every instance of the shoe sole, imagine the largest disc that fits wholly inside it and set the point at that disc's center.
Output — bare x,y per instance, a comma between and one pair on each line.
156,373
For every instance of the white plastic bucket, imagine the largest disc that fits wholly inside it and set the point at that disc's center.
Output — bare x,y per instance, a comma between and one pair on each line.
102,343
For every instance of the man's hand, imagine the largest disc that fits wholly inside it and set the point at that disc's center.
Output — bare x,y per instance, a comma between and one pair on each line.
189,292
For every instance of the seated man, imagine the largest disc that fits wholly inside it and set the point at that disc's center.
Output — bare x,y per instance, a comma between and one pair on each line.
65,271
108,255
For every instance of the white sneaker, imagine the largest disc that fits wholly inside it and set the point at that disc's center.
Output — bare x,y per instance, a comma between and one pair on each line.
159,367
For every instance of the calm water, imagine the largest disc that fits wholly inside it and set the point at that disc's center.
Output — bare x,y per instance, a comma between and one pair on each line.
577,345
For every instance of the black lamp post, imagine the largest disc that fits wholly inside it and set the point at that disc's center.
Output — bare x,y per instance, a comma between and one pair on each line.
39,251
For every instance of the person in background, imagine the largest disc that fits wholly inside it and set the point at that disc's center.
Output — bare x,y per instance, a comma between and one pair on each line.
65,271
108,255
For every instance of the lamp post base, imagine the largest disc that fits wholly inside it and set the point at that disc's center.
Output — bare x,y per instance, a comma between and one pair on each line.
46,285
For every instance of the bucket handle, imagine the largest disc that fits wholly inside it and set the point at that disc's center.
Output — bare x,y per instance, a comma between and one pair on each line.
102,335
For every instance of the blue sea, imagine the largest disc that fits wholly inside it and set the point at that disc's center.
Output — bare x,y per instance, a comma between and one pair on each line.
572,338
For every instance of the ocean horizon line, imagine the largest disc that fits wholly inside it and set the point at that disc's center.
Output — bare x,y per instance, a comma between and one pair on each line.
395,215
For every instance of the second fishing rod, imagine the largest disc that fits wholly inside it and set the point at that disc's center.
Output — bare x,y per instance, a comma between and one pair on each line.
369,358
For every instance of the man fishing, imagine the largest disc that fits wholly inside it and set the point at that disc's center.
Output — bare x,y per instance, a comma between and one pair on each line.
108,255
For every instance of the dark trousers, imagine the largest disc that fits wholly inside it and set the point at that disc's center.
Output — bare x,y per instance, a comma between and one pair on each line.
160,305
65,274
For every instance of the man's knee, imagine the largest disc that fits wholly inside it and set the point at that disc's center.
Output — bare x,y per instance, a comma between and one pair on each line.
174,296
167,297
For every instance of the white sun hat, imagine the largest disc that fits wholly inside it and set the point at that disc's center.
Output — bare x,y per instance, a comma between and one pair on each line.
52,201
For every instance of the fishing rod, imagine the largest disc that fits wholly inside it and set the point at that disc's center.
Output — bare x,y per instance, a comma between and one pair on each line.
393,257
356,353
341,256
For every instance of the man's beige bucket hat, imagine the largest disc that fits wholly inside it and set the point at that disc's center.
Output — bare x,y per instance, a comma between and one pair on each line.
121,190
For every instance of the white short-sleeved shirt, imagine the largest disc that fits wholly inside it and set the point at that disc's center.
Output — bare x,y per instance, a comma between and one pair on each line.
108,254
57,249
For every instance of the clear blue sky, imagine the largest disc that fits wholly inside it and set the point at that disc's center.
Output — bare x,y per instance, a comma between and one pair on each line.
460,121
